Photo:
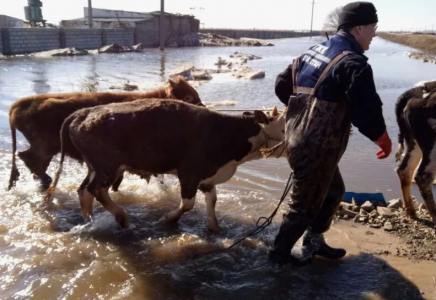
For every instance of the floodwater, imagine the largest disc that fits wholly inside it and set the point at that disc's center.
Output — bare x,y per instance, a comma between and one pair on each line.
49,253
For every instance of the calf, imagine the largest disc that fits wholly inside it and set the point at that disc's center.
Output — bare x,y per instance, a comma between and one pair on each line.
416,117
40,117
202,147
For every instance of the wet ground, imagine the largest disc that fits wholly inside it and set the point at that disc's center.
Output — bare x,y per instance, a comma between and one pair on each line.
49,253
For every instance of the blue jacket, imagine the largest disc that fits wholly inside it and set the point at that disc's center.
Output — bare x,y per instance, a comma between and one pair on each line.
350,80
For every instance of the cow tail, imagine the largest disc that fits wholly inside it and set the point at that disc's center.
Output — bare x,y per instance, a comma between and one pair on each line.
14,171
64,135
402,123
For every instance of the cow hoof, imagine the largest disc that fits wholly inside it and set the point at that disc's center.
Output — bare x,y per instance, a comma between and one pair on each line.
45,184
411,212
173,216
213,227
122,218
87,217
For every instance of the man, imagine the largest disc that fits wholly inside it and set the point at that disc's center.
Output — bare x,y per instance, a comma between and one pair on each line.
332,87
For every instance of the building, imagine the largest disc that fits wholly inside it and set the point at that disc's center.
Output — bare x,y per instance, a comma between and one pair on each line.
146,25
9,22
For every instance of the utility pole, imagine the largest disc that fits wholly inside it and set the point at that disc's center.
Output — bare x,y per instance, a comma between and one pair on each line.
90,13
311,20
161,26
200,9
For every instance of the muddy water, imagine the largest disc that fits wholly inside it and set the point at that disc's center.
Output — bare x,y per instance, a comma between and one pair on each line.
47,252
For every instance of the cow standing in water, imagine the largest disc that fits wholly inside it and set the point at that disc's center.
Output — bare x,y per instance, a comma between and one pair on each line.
40,117
202,147
416,117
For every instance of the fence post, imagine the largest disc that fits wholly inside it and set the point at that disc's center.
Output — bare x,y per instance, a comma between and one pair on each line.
6,40
103,37
62,38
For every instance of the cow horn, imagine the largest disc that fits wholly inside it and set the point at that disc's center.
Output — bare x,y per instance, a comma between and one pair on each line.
172,83
275,112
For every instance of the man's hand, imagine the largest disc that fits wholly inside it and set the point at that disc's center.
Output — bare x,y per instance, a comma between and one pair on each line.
384,142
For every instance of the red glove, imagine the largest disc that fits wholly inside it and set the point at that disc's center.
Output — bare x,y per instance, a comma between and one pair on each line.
384,142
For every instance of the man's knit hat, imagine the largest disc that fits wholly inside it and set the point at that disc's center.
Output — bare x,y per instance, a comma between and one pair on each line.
357,13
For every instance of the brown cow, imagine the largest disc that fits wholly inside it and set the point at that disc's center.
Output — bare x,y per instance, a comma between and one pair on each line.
202,147
416,117
40,118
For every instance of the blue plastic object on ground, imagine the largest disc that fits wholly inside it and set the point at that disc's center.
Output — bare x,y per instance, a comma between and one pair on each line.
360,198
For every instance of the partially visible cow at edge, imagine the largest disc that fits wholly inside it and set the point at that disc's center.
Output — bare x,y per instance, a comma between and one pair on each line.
416,117
202,147
40,117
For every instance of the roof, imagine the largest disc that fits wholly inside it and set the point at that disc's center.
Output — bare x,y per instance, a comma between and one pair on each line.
112,19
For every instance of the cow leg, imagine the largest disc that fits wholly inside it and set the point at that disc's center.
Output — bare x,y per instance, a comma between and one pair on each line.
405,172
424,179
37,164
187,203
210,197
45,179
120,214
99,186
86,198
117,183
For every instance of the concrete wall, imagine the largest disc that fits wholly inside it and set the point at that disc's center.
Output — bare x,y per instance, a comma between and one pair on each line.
147,32
83,38
122,37
259,34
1,42
26,40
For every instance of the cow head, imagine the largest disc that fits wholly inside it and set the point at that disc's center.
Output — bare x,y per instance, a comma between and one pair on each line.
272,123
180,89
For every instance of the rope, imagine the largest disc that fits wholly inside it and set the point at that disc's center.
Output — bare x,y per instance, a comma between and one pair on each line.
267,109
267,221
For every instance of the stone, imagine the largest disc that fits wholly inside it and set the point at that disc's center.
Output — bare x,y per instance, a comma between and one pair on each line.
367,206
385,212
347,205
184,70
201,75
395,203
248,73
129,87
347,212
255,42
112,48
388,226
127,49
61,52
138,47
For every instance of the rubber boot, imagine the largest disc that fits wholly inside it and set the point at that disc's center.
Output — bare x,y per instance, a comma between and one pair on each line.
314,243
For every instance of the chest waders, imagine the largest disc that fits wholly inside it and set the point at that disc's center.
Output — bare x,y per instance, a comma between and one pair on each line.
317,134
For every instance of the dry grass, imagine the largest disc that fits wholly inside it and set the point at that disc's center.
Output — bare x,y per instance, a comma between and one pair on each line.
424,42
88,85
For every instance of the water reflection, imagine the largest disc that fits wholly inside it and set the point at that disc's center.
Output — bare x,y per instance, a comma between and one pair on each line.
40,78
162,65
93,75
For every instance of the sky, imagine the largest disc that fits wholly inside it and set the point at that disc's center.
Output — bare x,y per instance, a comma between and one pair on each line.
416,15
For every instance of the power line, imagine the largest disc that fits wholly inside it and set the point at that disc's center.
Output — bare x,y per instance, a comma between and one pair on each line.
311,20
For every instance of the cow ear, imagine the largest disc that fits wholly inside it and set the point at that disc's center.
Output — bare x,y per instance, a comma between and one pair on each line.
261,117
172,83
247,113
275,112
